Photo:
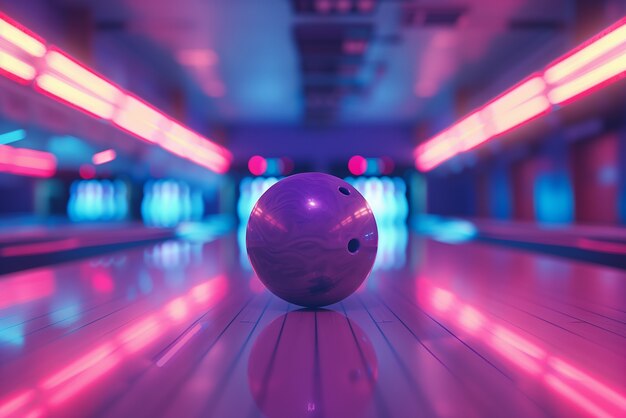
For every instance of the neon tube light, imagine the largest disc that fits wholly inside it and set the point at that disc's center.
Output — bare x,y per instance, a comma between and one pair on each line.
595,64
16,68
139,119
12,136
517,106
27,162
11,33
572,89
585,392
104,157
75,97
613,38
92,367
77,74
66,80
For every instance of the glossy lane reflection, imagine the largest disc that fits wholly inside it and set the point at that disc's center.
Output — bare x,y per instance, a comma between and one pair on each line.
533,358
312,363
70,334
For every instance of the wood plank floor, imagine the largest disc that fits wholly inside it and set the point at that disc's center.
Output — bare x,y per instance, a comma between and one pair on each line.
181,329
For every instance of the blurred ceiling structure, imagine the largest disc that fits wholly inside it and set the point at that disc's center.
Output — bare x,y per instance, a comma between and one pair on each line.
250,75
338,61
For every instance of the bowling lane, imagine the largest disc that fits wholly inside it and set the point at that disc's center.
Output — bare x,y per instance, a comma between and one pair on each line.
184,328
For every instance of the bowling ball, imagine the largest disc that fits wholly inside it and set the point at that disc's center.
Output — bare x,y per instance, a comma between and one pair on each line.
312,239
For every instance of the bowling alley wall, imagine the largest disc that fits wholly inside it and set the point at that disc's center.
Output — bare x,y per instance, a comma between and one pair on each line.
570,169
563,180
545,142
76,145
109,154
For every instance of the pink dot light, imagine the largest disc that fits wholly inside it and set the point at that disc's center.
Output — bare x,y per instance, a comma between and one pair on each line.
87,171
357,165
257,165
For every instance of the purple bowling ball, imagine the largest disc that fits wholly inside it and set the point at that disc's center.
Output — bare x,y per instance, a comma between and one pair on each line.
312,239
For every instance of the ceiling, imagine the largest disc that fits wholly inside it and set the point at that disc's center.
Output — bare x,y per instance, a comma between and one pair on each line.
337,61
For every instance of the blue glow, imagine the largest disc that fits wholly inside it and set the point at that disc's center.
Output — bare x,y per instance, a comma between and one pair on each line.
250,189
273,167
450,231
207,230
11,334
70,150
373,167
455,232
167,203
244,261
554,198
392,242
12,136
97,200
386,196
65,313
169,255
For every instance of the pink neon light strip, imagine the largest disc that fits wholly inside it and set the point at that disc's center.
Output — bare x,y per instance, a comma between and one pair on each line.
571,90
66,80
26,287
73,96
16,68
26,162
104,157
583,390
58,63
600,389
517,106
15,35
83,372
588,53
83,380
88,360
9,408
577,398
40,247
593,65
514,107
141,334
140,119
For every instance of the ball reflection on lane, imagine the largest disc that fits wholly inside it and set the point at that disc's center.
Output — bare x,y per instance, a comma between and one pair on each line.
312,363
